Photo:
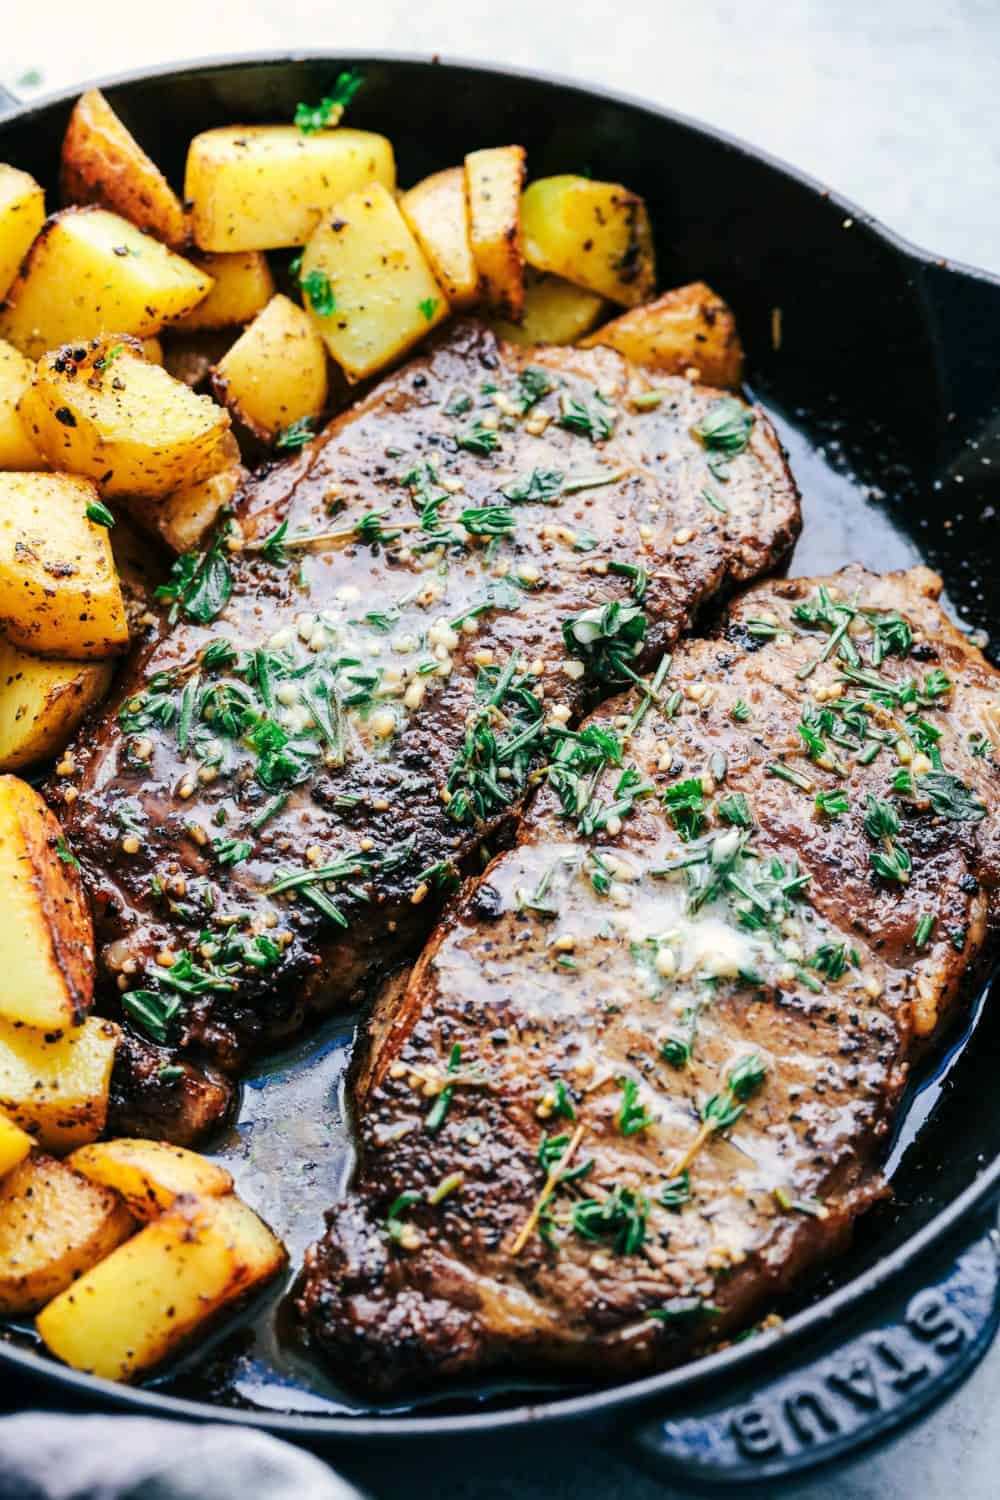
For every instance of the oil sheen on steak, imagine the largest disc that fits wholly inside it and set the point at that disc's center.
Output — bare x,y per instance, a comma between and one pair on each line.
641,1076
365,647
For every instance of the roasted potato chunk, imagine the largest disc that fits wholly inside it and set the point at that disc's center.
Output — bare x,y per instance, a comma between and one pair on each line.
42,702
17,451
242,284
15,1144
555,312
90,270
45,928
275,373
596,234
183,518
140,1304
22,214
103,163
261,187
437,210
366,267
54,1225
55,1085
59,592
687,330
493,180
116,418
150,1175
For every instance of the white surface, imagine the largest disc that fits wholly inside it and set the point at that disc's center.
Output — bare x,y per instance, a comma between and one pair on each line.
890,101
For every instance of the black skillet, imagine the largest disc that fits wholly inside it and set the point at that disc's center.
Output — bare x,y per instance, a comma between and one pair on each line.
881,365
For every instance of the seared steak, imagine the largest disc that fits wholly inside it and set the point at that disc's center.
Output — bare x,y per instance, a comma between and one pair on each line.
641,1076
269,814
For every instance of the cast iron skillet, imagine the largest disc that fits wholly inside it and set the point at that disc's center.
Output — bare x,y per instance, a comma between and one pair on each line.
881,366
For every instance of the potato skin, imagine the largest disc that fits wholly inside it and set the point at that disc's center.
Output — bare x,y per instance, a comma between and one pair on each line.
42,702
54,1225
45,926
103,163
688,329
114,417
59,590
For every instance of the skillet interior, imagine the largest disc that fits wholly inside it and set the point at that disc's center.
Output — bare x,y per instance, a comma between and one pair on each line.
882,385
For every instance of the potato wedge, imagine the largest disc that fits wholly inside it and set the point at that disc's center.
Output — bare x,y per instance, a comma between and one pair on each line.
596,234
437,210
555,312
261,187
116,418
15,1144
242,284
184,518
45,928
22,214
90,270
59,592
55,1085
17,451
138,1306
54,1226
42,702
103,163
275,373
493,180
687,329
384,293
150,1175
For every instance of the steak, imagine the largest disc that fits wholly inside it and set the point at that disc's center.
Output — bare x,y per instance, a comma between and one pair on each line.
642,1075
271,811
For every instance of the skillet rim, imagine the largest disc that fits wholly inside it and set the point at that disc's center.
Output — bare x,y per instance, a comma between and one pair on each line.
735,1361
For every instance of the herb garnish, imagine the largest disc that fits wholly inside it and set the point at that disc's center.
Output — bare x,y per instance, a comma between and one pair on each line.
319,292
329,112
632,1116
99,514
296,435
200,584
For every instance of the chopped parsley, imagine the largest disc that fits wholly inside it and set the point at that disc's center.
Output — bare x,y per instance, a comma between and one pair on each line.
296,435
329,111
319,292
427,307
200,584
99,514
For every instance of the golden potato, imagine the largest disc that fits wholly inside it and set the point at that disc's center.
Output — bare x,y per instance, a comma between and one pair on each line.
275,373
184,518
15,1144
59,592
17,451
42,702
22,214
242,285
689,328
261,187
103,163
493,180
150,1175
596,234
140,1304
47,978
89,271
55,1085
54,1225
437,210
116,418
555,312
366,266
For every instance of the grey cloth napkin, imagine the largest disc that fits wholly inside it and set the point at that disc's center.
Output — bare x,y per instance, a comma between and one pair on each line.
45,1456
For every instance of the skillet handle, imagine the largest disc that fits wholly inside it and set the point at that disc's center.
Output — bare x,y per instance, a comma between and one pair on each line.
853,1387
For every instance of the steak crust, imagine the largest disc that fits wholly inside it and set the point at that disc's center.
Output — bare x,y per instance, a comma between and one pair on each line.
364,649
642,1075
